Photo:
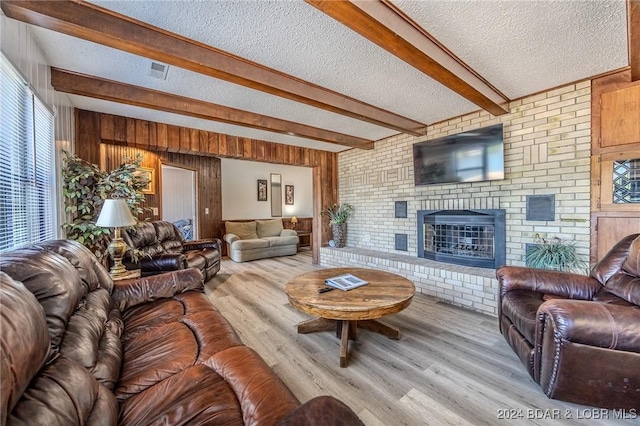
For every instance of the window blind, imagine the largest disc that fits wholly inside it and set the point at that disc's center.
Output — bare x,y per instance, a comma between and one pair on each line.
27,177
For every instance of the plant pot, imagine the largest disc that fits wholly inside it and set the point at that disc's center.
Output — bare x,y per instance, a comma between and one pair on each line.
339,234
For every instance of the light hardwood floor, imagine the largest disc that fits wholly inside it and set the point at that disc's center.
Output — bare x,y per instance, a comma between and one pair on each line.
450,366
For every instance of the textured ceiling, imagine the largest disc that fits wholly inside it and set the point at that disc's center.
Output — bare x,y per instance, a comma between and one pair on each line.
520,47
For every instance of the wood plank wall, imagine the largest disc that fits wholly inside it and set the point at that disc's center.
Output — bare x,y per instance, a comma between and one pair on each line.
177,144
209,182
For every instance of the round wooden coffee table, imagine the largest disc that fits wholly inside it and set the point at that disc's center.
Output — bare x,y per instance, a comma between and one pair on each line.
346,311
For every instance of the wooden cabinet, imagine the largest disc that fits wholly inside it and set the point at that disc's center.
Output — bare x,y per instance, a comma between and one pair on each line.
615,143
620,117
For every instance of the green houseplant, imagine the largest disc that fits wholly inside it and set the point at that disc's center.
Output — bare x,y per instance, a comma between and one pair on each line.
555,254
85,187
338,215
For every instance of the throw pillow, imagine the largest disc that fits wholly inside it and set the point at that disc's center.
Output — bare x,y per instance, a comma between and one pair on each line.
269,228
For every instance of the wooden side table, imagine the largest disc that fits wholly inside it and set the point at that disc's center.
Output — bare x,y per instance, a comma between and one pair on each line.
306,239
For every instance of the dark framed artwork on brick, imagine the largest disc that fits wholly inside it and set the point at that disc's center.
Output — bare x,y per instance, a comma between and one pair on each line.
262,190
401,209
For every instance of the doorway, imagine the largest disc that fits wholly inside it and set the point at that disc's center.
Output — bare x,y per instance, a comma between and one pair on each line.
179,199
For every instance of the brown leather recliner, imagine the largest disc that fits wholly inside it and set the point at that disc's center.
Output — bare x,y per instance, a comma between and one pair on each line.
163,249
578,336
77,348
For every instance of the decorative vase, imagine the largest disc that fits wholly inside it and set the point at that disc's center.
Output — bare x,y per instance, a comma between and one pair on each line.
339,234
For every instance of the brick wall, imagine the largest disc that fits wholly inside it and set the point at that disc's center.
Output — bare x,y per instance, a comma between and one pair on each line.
547,151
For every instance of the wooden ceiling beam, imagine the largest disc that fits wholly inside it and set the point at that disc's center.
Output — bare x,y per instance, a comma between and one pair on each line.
633,13
99,88
385,25
91,22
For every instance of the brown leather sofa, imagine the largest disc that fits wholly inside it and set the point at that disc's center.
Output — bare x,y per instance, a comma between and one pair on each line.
78,349
578,336
162,249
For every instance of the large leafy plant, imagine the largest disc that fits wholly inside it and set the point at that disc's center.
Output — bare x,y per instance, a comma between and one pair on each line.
338,213
85,189
555,254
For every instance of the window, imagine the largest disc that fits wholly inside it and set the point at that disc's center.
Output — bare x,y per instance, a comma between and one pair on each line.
27,175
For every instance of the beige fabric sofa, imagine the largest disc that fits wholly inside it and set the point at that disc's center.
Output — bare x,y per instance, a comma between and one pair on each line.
259,239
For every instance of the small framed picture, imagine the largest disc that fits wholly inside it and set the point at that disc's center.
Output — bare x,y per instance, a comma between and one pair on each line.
147,173
288,195
262,190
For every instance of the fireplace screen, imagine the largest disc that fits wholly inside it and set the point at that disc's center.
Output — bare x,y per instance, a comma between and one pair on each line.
466,237
460,240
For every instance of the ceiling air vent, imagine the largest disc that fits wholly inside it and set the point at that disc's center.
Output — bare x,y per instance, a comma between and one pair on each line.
159,70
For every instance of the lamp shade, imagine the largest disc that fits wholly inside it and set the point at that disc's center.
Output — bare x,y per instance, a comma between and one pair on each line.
294,219
114,214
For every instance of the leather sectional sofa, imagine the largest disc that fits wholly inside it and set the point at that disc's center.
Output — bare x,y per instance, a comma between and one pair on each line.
162,249
78,348
578,336
259,239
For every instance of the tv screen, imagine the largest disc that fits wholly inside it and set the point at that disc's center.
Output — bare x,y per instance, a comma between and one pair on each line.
472,156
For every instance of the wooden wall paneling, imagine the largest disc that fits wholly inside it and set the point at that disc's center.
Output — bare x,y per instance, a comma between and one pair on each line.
107,127
130,135
214,145
120,130
141,137
87,134
202,142
173,138
162,142
162,137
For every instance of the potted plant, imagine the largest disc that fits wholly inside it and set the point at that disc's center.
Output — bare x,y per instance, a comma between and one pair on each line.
555,254
338,215
85,187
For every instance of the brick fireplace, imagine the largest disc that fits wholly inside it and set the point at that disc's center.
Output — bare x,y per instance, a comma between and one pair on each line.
464,237
547,152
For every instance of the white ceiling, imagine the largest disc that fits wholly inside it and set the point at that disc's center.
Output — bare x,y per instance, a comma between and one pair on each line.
520,47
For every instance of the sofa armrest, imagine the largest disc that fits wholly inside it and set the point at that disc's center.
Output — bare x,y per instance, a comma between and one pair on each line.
565,284
322,411
230,238
129,293
288,233
161,263
209,243
591,323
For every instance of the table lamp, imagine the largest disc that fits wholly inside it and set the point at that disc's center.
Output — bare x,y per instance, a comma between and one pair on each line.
294,222
115,214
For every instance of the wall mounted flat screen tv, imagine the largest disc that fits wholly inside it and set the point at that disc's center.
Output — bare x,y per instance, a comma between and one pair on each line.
473,156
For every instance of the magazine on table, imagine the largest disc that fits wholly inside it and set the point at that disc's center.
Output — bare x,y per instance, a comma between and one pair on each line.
345,282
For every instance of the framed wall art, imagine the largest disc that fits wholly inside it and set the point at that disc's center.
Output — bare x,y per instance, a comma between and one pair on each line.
288,195
262,190
147,173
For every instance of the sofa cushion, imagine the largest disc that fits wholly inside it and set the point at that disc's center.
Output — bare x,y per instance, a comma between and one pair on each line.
244,230
143,236
187,326
264,401
250,244
282,241
52,280
64,393
269,228
24,341
196,395
196,261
